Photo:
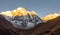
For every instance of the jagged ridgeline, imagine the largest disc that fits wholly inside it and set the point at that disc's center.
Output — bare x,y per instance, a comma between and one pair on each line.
21,18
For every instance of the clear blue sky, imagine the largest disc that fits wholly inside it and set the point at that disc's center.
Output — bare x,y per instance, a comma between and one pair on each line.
42,7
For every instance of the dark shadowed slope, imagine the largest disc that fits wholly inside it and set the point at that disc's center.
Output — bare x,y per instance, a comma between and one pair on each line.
6,28
51,27
48,28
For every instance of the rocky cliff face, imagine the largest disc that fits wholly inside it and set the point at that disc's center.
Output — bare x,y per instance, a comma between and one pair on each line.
24,22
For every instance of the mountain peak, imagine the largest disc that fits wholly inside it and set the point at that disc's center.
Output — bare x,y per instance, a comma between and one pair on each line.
21,18
50,16
18,12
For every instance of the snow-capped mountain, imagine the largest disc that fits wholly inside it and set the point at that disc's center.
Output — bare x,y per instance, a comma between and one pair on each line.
22,22
21,18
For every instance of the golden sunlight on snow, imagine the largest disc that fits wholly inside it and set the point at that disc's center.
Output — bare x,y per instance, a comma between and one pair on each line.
50,16
18,12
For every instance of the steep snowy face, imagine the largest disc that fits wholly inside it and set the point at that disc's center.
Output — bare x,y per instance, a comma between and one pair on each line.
22,19
24,22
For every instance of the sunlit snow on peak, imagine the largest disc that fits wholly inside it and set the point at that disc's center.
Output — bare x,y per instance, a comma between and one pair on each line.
51,16
18,12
